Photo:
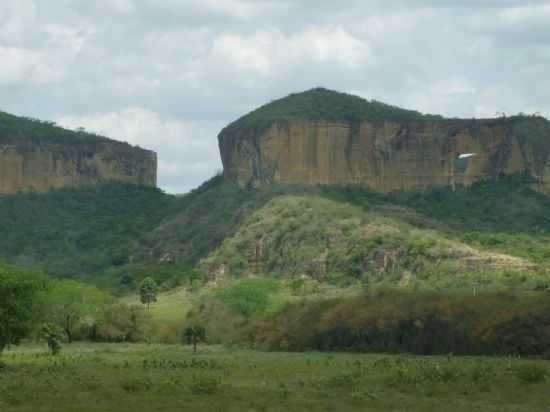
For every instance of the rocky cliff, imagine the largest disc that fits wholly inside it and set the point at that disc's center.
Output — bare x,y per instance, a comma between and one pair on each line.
39,156
325,137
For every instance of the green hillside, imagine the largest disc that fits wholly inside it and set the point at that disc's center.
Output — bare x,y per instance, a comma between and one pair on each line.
114,235
78,231
322,104
17,131
340,243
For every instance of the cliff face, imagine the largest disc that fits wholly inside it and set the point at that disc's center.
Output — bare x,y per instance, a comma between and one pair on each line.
387,155
38,156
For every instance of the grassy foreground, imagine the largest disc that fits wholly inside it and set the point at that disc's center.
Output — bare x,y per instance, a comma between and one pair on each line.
120,377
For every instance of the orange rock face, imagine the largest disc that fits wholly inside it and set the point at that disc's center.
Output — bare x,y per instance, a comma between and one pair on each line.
43,167
388,156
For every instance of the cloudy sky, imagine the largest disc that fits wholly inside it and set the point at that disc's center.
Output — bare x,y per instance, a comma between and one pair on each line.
169,74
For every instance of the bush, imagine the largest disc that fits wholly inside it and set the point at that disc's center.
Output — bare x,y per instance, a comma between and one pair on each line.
204,385
122,323
135,385
530,373
53,336
417,322
250,296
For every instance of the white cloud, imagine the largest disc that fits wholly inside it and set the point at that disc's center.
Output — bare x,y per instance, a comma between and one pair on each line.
239,8
444,96
16,64
48,62
452,86
525,14
16,19
270,52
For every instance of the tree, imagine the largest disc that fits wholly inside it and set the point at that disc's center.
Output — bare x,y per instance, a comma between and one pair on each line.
122,323
148,290
193,335
71,303
20,303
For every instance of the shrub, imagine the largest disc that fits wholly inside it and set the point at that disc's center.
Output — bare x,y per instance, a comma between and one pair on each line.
249,296
482,373
53,335
530,373
135,385
204,385
122,323
420,322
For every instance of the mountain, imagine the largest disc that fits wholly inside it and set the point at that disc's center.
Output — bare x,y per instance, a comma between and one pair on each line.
325,137
493,232
36,155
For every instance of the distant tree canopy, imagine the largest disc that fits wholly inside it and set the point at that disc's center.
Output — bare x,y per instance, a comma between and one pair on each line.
79,231
148,291
193,335
122,323
15,130
20,303
70,303
322,104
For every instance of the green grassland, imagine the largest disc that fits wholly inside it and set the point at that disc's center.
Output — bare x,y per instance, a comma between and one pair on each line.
121,377
171,306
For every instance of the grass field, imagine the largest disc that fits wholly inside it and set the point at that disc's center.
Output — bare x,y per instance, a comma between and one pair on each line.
170,307
120,377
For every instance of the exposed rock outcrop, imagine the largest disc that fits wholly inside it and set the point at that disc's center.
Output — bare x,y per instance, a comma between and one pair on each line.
383,147
39,156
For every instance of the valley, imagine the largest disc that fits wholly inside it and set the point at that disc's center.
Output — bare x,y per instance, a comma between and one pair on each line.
328,267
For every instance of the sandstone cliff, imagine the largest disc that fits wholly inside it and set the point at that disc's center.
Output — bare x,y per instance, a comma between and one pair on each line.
39,156
324,137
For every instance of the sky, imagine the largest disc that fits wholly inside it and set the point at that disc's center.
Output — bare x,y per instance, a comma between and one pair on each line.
168,75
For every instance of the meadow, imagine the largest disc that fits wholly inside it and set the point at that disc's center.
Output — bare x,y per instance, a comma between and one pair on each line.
129,377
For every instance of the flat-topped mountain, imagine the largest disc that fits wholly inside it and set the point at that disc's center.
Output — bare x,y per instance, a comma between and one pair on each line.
325,137
38,156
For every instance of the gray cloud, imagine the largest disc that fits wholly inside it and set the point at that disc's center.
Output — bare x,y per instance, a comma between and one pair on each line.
169,74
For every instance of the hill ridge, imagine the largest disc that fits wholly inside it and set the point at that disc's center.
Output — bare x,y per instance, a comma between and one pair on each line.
39,155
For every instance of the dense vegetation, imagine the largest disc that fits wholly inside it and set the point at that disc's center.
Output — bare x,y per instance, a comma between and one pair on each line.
410,240
506,215
78,231
115,235
204,218
21,131
321,104
20,304
419,322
